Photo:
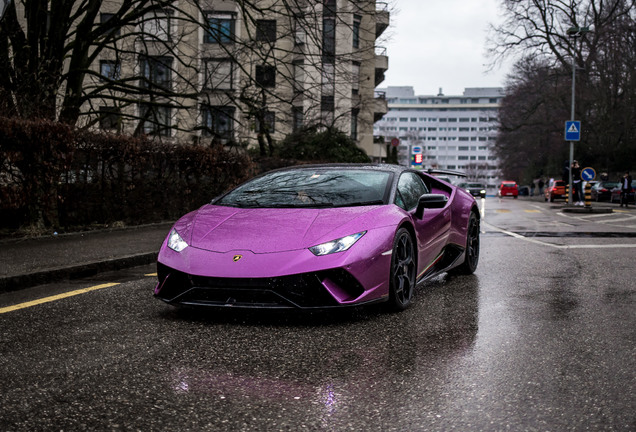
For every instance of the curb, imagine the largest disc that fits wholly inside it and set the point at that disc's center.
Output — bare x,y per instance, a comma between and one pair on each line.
586,210
17,282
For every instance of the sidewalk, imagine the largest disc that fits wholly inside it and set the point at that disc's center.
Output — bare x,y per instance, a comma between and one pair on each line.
595,207
29,262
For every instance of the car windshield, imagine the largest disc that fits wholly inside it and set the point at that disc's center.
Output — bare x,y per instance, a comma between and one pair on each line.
509,185
474,185
311,188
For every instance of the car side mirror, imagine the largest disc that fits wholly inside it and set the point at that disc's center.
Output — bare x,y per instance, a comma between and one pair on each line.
430,201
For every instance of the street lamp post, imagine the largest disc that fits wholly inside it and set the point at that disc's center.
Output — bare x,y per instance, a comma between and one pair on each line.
573,32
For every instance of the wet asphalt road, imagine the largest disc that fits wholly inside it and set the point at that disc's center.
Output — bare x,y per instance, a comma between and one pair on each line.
541,338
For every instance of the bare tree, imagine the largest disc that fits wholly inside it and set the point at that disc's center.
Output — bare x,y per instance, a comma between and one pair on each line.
143,63
540,34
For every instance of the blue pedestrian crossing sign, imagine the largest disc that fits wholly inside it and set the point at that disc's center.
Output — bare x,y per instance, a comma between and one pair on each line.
573,131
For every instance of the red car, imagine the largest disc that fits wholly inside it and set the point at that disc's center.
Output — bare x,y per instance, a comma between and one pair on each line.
508,188
557,190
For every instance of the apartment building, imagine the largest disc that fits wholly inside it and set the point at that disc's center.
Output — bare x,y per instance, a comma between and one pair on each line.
450,132
242,74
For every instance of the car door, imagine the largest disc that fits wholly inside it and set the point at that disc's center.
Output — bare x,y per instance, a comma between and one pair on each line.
433,228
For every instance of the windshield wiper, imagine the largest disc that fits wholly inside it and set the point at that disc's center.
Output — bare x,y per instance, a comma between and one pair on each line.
361,203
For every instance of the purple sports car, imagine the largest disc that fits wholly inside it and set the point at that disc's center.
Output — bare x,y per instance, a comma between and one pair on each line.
320,236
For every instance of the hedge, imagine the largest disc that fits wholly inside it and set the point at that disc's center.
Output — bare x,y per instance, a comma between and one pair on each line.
53,175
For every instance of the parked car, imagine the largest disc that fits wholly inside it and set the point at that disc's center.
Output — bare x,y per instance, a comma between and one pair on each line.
602,191
508,188
475,189
557,190
320,236
524,190
615,195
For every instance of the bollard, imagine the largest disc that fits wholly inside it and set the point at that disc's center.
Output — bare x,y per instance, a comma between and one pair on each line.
588,195
567,194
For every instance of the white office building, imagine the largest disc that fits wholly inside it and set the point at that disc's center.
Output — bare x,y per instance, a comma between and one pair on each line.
451,132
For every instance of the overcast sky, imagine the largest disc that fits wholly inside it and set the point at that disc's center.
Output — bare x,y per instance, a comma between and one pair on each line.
441,43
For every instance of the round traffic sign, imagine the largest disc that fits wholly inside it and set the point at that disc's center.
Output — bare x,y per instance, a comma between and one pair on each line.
588,174
395,142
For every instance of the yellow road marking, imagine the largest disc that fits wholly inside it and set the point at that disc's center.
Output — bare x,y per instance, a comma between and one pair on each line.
532,211
502,211
151,274
54,298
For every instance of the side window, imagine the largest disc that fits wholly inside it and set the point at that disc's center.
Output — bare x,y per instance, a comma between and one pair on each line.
410,188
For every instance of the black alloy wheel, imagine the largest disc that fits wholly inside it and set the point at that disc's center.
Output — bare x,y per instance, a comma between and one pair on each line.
471,254
403,271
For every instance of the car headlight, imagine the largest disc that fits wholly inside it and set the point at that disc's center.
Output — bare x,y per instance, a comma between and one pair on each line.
175,242
339,245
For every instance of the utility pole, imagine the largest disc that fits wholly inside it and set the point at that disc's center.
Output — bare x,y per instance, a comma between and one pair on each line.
573,32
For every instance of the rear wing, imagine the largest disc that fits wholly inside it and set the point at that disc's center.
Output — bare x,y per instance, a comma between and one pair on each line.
445,172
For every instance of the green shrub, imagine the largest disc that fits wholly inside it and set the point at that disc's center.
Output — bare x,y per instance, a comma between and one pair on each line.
329,145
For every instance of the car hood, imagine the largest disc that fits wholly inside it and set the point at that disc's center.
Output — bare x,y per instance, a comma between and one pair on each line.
223,229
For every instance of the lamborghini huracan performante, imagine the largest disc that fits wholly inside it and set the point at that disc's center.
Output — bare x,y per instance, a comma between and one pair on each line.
320,236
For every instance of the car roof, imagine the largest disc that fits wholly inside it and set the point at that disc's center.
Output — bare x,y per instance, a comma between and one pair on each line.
348,166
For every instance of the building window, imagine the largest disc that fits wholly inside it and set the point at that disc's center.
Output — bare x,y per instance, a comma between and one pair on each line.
155,119
299,76
109,70
354,124
329,8
156,72
356,31
355,77
329,40
297,118
301,35
269,123
219,74
266,30
109,118
218,121
265,76
104,18
220,29
156,26
327,103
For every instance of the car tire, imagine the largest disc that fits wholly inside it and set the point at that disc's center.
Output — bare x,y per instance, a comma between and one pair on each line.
403,271
471,253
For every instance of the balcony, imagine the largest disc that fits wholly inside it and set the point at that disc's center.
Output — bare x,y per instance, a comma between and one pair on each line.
380,105
381,64
381,18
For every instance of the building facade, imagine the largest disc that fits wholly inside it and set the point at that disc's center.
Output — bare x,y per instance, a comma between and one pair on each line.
223,71
450,132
